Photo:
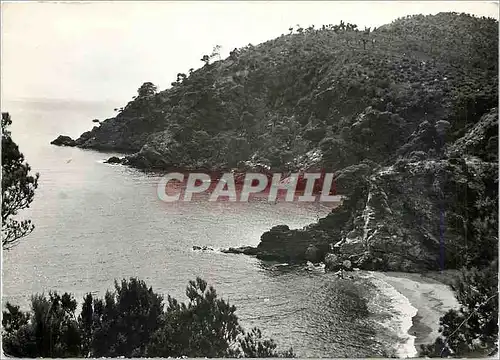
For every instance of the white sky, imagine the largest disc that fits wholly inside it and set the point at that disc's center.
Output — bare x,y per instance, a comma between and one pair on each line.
105,50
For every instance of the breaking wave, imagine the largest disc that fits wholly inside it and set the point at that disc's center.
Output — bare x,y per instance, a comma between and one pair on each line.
394,312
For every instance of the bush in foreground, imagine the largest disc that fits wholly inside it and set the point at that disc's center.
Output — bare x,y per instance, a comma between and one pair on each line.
472,330
132,321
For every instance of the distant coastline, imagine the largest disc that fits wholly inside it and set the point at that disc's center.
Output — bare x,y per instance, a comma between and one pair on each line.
50,104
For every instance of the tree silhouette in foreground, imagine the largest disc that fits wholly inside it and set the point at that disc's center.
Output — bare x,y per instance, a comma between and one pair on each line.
18,188
49,329
132,321
472,330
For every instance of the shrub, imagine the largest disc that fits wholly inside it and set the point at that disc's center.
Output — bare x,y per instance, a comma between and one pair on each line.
131,321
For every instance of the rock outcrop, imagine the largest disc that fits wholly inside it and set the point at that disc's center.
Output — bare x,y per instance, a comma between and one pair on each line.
114,160
202,248
410,216
246,250
63,140
313,254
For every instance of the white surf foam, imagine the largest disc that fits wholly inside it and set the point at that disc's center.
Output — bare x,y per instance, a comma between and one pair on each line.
399,313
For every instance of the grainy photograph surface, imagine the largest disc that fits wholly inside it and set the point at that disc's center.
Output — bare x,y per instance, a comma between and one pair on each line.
249,179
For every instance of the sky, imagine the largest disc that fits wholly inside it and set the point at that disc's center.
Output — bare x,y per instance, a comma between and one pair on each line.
103,51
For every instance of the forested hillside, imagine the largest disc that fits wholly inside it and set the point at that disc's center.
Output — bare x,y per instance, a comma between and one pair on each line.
354,94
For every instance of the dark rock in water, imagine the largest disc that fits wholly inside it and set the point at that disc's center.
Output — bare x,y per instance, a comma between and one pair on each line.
63,140
96,120
259,253
246,250
281,243
269,256
203,248
114,160
292,245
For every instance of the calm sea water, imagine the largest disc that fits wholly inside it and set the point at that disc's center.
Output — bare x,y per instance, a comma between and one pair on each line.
96,223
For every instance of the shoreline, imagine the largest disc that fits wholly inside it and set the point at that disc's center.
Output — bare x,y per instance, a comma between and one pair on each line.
431,297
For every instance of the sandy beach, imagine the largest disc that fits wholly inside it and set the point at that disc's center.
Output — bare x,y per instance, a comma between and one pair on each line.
431,297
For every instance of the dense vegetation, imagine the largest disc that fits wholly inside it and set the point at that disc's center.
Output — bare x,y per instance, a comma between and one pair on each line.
18,188
132,321
472,330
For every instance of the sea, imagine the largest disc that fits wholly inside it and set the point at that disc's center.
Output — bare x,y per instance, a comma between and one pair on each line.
97,223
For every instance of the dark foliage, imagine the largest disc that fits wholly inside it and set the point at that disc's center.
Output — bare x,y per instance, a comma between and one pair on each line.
18,188
472,330
48,330
131,321
122,323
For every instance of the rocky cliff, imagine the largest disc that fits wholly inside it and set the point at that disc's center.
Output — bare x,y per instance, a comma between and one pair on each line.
413,215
